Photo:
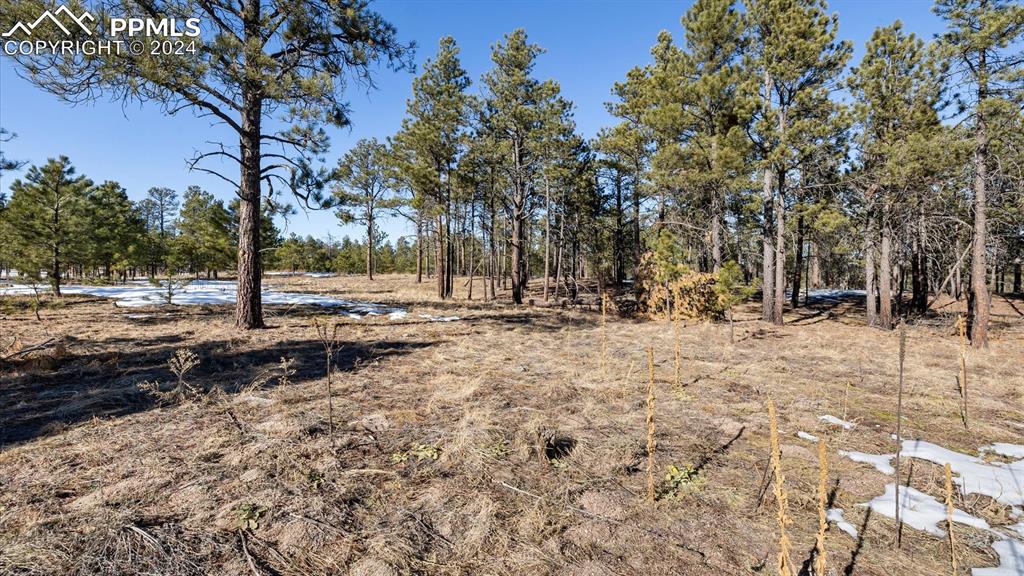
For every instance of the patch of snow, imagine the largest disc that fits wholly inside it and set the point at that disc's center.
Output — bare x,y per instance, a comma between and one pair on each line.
836,515
1002,482
806,436
1004,449
1011,560
142,293
836,421
834,295
321,274
398,315
919,510
1018,528
879,461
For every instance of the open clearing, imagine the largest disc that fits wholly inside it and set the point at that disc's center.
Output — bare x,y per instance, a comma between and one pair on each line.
500,443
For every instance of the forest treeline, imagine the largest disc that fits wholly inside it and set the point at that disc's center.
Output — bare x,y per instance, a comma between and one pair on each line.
61,225
748,137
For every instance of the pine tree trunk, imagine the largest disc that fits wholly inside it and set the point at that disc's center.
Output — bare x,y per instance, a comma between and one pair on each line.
780,257
885,275
869,273
369,247
716,214
439,258
920,265
978,313
518,278
419,249
547,236
798,262
768,250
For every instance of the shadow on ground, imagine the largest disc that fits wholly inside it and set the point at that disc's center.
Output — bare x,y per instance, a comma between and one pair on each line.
92,379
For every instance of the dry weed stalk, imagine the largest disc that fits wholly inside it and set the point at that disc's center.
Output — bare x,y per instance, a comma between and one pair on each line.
785,565
819,544
899,429
650,424
677,332
183,361
949,519
604,334
329,338
961,326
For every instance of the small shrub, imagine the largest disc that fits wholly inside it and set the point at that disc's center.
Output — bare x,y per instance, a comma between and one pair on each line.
683,481
419,451
249,515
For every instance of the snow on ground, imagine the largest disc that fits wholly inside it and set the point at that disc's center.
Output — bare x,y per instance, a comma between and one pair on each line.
833,420
833,295
142,293
836,515
879,461
919,510
307,274
1018,528
806,436
1011,560
1002,482
1004,449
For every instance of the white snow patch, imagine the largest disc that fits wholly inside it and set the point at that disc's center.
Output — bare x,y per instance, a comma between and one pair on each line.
879,461
1004,449
1011,560
836,515
836,421
142,293
919,510
398,315
1002,482
806,436
1018,528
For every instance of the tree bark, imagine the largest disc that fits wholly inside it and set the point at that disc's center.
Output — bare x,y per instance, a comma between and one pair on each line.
768,250
369,247
249,304
798,262
547,236
978,313
780,255
885,275
869,272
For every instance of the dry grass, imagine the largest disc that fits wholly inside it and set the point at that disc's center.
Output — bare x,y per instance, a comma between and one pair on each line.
520,458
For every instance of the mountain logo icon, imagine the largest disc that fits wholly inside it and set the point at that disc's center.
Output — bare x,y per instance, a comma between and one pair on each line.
62,10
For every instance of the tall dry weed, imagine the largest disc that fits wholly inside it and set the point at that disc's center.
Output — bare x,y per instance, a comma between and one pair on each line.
785,564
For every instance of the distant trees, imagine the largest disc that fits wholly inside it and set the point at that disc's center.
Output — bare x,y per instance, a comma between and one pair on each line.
256,58
362,191
428,148
47,218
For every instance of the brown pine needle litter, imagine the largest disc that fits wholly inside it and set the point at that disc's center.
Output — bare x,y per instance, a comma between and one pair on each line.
98,478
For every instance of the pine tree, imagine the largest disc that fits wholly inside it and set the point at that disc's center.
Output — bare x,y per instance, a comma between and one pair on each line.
115,229
362,191
204,233
898,89
797,59
981,38
256,58
519,114
429,145
46,218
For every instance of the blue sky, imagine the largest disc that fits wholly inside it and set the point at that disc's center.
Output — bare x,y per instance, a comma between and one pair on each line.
590,45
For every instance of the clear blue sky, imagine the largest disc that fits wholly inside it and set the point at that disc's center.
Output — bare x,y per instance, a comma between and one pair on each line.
590,45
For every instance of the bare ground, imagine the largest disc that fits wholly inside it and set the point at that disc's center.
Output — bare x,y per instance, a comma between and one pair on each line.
501,443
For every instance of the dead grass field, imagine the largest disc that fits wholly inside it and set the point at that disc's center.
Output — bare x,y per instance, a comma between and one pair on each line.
495,444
